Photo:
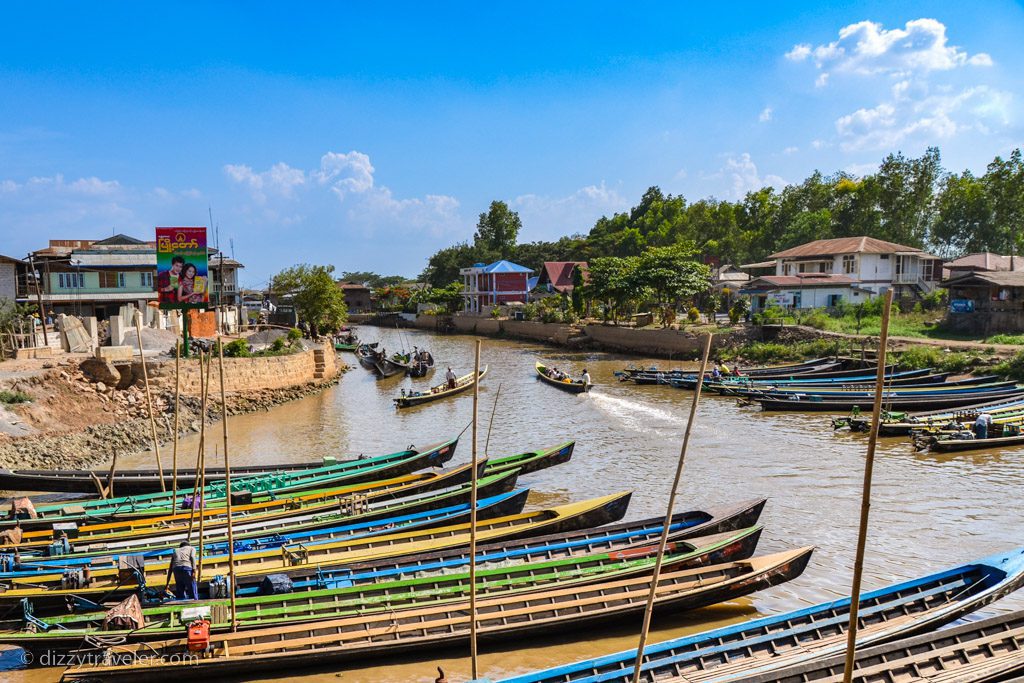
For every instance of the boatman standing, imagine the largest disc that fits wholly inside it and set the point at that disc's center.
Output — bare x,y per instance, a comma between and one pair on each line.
183,565
586,378
450,376
982,425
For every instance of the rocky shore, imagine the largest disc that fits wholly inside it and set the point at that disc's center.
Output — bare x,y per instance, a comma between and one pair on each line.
74,421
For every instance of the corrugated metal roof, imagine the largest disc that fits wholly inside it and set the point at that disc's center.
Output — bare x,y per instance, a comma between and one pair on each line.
559,274
999,278
759,264
846,245
985,260
806,280
504,266
113,260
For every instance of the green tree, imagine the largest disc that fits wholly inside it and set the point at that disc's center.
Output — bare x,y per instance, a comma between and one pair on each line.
498,229
443,267
965,220
672,275
371,279
1004,184
318,299
615,283
578,285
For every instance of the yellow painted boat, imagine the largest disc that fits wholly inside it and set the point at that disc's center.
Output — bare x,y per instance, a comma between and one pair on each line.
559,519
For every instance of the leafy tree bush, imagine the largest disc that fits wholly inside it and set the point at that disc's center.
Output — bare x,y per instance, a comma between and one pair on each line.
693,315
294,334
738,310
318,299
1012,368
11,397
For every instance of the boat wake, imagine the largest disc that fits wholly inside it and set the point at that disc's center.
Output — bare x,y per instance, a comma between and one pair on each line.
635,415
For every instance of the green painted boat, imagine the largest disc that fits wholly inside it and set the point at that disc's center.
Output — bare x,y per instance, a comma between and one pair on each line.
370,469
426,627
415,590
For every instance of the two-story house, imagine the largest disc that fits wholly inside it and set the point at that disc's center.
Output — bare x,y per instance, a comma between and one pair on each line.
851,269
501,282
98,277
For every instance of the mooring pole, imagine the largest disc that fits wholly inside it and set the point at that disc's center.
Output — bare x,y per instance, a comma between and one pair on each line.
177,413
490,423
227,488
149,400
472,518
865,503
663,542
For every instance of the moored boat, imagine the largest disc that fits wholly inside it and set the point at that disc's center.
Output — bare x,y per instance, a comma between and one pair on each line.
499,617
773,643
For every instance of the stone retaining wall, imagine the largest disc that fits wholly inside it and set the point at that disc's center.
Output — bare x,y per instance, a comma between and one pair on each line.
250,374
656,342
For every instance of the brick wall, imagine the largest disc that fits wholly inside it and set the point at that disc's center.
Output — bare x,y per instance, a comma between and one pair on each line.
250,374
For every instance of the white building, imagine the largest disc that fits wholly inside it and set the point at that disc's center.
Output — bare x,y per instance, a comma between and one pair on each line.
851,269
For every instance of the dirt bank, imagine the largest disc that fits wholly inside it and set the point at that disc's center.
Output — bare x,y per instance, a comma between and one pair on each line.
72,422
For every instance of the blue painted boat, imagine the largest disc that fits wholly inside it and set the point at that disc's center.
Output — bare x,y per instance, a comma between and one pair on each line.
509,503
736,653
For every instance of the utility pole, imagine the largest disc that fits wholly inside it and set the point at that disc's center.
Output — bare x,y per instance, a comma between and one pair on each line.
39,299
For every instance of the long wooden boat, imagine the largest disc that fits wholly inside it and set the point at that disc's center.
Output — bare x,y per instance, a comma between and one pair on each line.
370,469
832,370
573,386
415,589
739,652
802,366
262,562
439,509
142,480
415,398
901,423
387,632
960,445
621,536
861,391
926,383
986,651
330,503
925,376
838,405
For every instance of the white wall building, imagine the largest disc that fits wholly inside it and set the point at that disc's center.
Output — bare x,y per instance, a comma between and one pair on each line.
852,269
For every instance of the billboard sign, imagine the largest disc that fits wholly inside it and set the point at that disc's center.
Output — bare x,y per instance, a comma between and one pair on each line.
182,270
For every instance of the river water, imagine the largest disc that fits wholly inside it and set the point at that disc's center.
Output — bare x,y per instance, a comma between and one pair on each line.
928,511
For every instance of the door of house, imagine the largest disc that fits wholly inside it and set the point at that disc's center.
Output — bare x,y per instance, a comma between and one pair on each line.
796,300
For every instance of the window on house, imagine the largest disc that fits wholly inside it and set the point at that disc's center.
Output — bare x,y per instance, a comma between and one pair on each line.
786,268
108,279
147,279
120,280
849,264
829,265
70,280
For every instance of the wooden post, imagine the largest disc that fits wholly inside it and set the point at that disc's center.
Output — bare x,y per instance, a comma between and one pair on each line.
149,400
865,504
227,487
472,519
177,406
202,473
663,542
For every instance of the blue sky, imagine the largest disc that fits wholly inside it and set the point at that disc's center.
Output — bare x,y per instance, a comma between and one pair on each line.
369,138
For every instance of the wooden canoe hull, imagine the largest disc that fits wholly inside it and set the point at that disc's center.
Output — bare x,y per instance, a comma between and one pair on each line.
462,385
568,387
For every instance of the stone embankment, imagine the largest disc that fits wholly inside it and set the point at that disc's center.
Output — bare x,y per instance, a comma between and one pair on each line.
81,412
653,342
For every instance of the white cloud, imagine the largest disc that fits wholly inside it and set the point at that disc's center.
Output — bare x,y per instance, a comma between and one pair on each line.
546,217
791,150
765,115
289,196
351,172
744,177
866,48
819,144
931,117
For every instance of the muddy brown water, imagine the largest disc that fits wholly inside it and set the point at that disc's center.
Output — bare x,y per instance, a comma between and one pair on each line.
928,512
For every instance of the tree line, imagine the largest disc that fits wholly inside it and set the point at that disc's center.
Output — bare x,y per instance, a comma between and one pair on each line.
911,201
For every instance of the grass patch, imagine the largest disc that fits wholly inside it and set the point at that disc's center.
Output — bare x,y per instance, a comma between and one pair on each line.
771,352
1012,368
1017,339
10,397
920,357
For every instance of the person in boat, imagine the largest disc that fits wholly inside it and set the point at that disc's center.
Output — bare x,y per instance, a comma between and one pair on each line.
736,371
450,377
586,378
716,374
982,425
183,566
724,369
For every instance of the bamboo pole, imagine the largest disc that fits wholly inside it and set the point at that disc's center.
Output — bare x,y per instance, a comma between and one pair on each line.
865,504
149,400
663,542
199,458
472,520
177,406
202,472
490,423
227,489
